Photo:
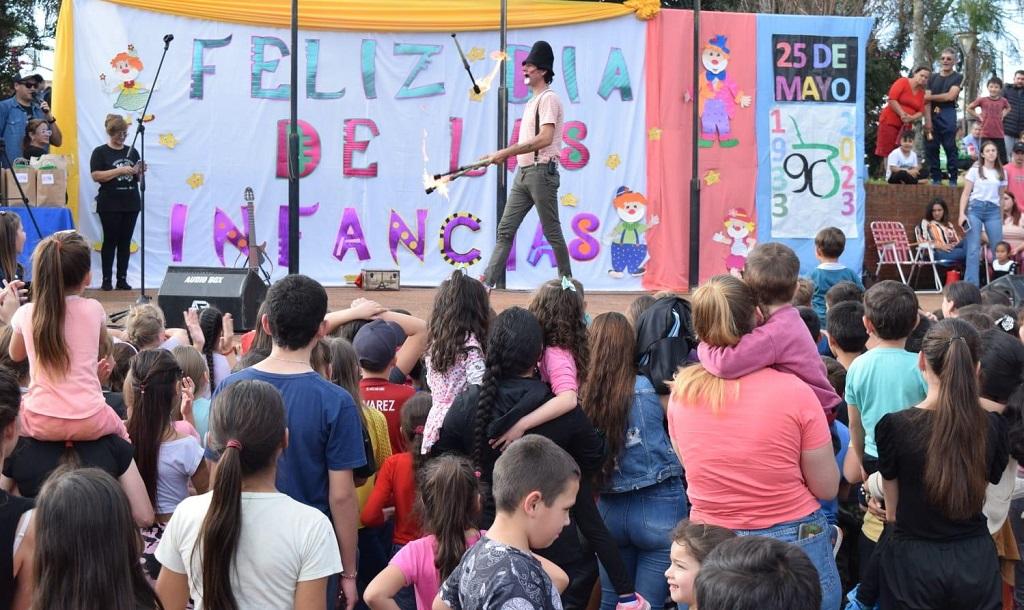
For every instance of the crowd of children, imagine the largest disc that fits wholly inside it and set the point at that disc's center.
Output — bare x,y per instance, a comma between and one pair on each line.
842,448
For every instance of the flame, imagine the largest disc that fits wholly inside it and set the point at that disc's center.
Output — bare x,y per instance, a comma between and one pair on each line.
440,185
484,83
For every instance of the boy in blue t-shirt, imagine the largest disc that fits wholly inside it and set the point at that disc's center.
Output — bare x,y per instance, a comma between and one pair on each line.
325,439
829,245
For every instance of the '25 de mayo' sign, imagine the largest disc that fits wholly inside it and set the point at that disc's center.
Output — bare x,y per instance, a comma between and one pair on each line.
815,68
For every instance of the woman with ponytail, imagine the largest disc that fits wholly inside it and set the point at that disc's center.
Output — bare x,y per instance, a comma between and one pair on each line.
510,391
937,460
245,544
168,460
59,333
771,456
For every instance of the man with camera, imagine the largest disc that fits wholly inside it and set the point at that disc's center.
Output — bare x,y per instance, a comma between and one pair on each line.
15,113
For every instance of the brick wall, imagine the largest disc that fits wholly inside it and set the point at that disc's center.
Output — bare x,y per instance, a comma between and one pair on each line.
904,203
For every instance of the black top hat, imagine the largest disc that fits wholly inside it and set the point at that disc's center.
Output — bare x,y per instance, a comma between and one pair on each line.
541,56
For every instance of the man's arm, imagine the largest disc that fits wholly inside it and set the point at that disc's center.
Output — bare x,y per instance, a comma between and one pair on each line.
537,142
949,96
56,137
415,339
345,519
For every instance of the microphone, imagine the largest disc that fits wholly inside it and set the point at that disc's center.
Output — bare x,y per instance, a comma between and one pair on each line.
167,40
465,64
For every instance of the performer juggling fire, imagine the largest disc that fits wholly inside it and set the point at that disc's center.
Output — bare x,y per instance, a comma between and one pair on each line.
537,154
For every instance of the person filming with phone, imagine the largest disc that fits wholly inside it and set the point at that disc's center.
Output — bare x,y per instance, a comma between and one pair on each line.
16,111
979,206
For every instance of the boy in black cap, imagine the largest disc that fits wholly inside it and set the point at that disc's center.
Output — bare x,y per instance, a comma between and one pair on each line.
537,154
16,111
378,345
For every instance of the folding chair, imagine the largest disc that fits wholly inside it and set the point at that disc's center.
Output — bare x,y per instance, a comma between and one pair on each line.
894,248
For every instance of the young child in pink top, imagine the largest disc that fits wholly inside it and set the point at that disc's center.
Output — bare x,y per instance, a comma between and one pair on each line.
60,334
448,504
782,341
561,311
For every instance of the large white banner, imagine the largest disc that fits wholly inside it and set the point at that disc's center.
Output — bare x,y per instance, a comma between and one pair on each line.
377,111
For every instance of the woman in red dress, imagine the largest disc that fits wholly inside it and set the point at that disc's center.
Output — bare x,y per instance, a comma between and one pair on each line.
904,108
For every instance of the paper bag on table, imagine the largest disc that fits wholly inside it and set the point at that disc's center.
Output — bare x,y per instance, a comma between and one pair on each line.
51,187
26,176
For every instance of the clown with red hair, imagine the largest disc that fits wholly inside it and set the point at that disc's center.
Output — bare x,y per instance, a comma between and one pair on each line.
629,252
132,95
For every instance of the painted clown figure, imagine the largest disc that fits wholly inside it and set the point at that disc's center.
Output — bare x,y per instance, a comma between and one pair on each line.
718,96
629,252
739,236
131,94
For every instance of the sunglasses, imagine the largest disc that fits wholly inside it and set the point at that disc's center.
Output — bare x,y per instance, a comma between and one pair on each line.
29,84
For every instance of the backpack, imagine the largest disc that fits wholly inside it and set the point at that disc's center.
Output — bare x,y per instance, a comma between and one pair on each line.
664,339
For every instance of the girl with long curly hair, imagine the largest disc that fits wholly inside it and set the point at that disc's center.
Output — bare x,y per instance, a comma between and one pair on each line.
641,480
558,306
455,354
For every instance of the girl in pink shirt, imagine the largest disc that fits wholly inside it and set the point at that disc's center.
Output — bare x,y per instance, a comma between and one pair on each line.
60,334
455,356
559,307
449,503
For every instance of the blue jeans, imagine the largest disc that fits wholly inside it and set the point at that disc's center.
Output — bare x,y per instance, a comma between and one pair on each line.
818,549
641,523
957,254
981,214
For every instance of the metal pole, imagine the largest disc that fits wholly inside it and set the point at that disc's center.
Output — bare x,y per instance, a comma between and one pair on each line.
293,149
502,192
694,178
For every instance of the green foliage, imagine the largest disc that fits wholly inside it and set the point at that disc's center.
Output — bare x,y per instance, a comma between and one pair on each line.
19,33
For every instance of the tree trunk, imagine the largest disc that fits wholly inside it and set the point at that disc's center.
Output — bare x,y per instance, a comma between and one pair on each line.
919,39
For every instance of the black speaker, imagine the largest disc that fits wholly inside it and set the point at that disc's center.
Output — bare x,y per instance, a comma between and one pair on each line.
235,291
1010,285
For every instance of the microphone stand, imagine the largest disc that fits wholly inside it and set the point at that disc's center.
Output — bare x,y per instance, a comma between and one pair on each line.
141,131
6,162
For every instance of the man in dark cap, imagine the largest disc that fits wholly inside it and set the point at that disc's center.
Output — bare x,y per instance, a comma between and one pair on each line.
537,155
16,111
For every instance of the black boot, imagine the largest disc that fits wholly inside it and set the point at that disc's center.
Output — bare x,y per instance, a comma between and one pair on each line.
107,286
122,284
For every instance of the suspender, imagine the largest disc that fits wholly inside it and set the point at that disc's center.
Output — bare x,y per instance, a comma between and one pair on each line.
536,124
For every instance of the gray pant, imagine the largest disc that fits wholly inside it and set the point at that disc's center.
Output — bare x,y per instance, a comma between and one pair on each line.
533,185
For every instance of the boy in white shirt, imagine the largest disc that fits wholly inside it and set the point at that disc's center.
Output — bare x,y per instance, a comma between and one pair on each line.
902,167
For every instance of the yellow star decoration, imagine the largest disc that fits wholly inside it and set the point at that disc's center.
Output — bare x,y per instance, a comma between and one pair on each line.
613,161
134,247
712,177
195,180
654,133
476,54
569,200
168,140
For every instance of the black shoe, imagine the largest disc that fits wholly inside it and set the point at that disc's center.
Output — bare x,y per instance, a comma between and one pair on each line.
123,285
107,286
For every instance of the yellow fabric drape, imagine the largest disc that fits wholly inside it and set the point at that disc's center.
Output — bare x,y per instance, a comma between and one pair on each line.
63,99
388,15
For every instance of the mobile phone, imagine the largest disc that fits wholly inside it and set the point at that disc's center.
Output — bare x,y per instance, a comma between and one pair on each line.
808,530
966,224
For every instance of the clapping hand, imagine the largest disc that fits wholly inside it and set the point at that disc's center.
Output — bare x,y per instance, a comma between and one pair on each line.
194,330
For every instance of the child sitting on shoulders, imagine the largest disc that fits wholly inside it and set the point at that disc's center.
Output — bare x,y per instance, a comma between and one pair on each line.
782,341
60,333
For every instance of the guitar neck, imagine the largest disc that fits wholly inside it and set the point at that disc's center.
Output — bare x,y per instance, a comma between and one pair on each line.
254,256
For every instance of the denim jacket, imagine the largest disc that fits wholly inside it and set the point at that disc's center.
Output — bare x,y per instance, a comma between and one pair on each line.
646,457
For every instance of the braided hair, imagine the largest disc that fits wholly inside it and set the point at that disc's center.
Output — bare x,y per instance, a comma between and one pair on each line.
211,322
514,346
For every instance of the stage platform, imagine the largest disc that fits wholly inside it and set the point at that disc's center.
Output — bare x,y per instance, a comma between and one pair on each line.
420,300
